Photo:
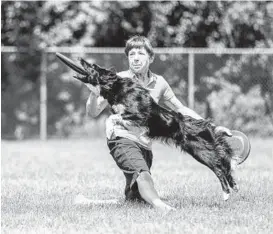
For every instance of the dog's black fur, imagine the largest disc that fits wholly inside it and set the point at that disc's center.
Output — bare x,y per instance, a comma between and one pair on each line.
196,137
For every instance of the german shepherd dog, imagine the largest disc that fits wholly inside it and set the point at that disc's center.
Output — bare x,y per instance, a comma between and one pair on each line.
196,137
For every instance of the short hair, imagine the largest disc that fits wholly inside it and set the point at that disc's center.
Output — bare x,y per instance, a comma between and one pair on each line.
138,42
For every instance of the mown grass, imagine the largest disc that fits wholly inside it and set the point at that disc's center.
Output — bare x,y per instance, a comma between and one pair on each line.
39,181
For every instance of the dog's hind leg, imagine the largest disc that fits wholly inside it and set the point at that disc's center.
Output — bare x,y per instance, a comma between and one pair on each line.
224,182
232,183
228,171
211,159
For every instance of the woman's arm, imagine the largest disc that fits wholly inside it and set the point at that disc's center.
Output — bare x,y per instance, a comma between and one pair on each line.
95,104
175,105
170,100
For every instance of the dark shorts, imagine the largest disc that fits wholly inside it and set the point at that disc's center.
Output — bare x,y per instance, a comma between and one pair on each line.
131,158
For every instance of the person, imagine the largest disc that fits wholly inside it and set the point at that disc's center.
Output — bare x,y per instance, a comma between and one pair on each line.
129,146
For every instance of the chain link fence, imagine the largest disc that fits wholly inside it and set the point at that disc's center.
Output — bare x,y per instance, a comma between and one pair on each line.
234,87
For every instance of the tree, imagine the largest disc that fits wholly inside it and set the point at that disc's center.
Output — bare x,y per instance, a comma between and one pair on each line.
36,25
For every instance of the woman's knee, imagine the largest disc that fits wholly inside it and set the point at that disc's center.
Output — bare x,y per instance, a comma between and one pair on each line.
144,176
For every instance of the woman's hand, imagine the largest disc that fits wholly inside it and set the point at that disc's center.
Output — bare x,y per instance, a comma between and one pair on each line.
224,130
93,89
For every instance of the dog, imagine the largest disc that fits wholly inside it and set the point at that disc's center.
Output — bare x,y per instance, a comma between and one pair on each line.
133,103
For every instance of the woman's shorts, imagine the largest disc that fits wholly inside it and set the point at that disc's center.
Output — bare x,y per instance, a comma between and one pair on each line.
131,157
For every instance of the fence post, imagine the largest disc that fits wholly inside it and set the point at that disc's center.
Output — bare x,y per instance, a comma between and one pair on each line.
43,97
191,81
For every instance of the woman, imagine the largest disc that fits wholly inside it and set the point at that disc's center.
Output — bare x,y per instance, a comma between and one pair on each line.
129,146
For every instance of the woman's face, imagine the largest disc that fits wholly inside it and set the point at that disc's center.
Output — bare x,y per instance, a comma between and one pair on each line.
139,60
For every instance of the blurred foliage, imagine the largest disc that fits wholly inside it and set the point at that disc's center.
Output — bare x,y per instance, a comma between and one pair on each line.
39,24
240,111
248,71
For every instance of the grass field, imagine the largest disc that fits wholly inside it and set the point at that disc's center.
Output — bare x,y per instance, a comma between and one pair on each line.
39,181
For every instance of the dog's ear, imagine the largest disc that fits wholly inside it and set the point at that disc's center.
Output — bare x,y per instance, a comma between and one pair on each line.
113,69
99,69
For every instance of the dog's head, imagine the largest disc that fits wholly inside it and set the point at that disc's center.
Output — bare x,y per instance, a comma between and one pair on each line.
95,73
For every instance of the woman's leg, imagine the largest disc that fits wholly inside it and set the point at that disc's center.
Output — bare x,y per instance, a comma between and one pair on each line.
148,192
131,193
132,159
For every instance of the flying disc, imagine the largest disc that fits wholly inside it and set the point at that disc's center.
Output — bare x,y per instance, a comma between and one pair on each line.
240,144
70,63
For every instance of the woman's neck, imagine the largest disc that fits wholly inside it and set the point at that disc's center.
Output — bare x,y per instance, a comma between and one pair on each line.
143,78
143,75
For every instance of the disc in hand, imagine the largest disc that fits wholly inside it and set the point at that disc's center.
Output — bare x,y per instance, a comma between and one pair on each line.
240,144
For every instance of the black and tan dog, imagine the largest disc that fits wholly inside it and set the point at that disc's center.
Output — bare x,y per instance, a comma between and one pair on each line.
196,137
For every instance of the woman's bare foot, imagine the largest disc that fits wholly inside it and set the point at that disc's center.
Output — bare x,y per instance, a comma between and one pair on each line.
82,200
162,206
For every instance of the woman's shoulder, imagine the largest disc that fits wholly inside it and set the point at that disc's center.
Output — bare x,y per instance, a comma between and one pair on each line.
159,78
